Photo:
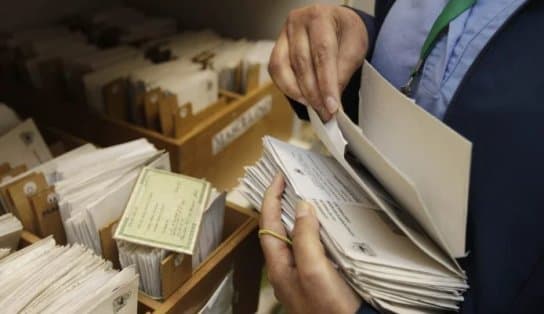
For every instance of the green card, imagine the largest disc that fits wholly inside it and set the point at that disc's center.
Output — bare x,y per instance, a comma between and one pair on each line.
164,211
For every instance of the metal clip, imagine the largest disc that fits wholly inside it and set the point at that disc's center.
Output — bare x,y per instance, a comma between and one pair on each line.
407,88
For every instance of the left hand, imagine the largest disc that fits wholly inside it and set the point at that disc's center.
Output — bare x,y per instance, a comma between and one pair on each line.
303,279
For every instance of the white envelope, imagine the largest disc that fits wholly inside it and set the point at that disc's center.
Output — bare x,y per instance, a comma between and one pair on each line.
433,156
24,145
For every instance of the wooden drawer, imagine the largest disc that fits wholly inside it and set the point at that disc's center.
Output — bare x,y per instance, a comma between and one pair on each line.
239,251
193,152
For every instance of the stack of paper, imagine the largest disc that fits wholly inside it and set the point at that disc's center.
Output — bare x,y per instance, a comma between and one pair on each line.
182,78
93,188
227,62
95,81
78,65
23,145
257,56
168,213
10,231
393,222
188,44
72,49
46,278
199,88
89,187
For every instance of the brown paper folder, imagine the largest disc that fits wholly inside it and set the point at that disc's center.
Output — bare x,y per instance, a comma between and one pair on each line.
19,194
116,99
175,270
151,108
168,104
46,211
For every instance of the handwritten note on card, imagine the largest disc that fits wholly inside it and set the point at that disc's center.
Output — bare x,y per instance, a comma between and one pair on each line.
164,211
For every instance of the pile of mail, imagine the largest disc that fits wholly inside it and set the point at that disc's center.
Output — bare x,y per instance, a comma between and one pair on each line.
80,196
47,278
93,188
136,68
391,204
79,192
10,232
45,57
169,217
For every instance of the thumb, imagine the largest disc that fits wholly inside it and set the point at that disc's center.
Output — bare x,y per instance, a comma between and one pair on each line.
307,248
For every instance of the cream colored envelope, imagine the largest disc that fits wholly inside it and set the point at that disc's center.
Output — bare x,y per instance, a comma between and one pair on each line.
24,145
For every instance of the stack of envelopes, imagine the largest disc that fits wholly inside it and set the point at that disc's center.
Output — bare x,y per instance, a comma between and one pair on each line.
92,189
147,259
47,278
391,200
375,255
169,217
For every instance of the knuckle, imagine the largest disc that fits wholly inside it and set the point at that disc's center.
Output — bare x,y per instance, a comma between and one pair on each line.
300,64
315,11
322,53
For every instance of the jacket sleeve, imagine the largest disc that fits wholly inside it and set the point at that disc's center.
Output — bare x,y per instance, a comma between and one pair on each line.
366,309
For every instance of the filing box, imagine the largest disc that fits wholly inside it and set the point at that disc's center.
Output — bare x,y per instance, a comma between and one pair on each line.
215,144
239,251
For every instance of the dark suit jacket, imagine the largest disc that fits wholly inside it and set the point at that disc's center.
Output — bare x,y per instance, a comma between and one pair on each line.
499,107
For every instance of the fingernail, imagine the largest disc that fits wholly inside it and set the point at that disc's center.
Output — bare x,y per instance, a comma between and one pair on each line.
303,209
331,104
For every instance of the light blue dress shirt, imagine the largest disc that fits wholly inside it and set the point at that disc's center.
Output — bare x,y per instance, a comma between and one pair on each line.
405,29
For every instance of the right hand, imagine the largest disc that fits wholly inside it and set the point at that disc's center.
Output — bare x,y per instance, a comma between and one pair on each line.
317,52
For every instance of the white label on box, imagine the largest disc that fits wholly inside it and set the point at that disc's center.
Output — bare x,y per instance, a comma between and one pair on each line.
239,126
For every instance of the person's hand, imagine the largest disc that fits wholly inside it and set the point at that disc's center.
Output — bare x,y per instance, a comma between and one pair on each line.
317,52
303,279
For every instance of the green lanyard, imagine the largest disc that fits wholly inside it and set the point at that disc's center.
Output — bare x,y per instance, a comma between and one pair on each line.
453,9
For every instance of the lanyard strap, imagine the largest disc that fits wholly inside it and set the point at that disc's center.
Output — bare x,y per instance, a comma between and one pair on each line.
453,9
